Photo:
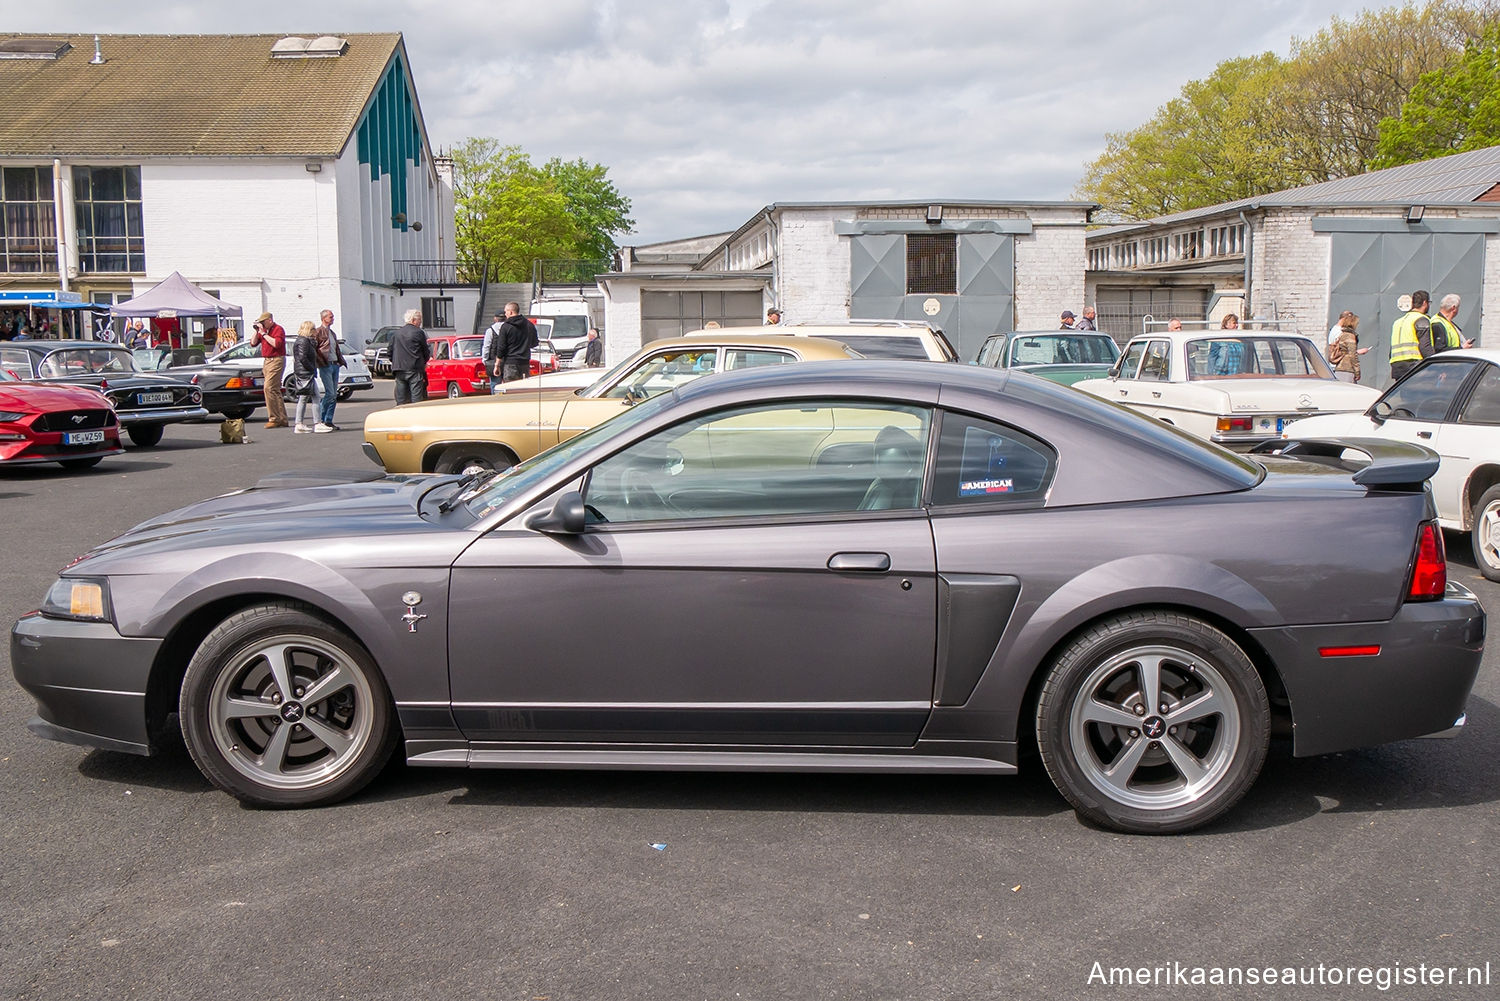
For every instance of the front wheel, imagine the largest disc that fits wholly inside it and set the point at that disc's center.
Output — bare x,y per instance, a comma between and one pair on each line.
1153,723
145,435
281,708
1485,537
476,457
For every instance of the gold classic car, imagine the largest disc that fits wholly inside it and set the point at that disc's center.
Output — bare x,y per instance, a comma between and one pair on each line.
493,432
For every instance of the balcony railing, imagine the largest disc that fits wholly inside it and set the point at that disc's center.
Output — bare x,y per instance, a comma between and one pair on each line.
438,274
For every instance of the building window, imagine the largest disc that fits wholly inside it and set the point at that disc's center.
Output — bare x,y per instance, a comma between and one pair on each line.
28,238
437,314
672,314
932,264
107,203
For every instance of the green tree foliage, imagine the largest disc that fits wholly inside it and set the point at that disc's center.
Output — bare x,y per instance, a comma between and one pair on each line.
1450,110
1261,123
511,212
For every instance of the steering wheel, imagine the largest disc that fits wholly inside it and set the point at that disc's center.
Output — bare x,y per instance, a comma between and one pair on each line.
639,495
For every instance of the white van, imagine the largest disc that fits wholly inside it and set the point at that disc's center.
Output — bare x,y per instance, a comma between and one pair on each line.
570,327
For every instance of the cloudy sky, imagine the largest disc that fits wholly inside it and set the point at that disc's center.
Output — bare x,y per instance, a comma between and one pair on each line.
706,110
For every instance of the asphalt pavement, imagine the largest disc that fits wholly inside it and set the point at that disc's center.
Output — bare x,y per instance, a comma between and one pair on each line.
132,877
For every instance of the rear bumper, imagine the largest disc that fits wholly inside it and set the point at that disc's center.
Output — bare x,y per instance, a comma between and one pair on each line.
89,682
1417,685
172,416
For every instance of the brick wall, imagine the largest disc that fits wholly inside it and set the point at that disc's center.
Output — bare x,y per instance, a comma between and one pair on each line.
813,266
1049,268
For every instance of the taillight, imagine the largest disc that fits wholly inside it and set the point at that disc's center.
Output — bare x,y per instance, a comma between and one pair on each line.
1429,577
1236,424
479,372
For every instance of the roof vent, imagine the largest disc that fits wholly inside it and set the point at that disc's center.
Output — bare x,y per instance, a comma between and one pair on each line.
300,47
33,48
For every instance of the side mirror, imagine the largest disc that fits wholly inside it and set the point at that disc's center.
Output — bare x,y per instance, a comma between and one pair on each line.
565,518
1114,370
1380,412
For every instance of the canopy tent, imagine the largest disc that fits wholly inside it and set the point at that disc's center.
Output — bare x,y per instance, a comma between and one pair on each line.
175,296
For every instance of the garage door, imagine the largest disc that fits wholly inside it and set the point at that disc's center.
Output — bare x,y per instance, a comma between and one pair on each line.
1121,308
672,314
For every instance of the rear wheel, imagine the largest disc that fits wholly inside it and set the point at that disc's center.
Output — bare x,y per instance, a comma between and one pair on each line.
1486,534
281,708
145,435
88,463
345,393
237,413
468,458
1153,723
454,391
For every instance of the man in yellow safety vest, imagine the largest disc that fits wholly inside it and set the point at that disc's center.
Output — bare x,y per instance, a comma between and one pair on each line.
1407,335
1443,320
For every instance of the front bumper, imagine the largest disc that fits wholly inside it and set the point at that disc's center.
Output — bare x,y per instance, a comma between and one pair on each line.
89,682
171,416
1416,686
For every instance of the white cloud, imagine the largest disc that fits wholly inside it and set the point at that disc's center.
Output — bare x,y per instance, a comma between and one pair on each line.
705,110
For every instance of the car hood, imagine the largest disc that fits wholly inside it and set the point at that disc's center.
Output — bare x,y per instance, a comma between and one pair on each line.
282,513
1065,375
29,397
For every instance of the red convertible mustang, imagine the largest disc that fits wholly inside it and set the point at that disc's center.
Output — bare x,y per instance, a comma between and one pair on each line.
67,424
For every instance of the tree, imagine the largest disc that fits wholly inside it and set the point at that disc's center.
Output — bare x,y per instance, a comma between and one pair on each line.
1261,124
509,212
1450,110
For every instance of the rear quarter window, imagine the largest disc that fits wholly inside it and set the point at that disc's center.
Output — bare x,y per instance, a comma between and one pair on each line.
982,462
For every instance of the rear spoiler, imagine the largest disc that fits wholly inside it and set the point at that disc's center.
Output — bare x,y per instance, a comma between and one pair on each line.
1392,464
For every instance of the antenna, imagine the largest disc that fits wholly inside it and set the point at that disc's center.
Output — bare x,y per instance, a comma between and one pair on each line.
98,59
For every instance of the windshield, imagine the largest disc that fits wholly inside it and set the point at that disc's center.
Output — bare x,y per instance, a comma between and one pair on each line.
1063,349
5,376
568,326
1255,357
881,345
468,347
491,494
87,361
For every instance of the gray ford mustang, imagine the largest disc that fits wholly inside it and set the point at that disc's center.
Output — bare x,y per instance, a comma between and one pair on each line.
867,566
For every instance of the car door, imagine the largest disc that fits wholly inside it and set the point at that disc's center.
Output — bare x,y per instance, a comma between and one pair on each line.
1421,409
1471,438
780,593
654,374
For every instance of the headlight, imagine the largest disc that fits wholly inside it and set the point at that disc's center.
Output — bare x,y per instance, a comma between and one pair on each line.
84,598
7,416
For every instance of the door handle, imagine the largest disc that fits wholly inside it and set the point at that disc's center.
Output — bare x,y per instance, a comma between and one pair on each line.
866,562
1124,392
1156,394
1424,434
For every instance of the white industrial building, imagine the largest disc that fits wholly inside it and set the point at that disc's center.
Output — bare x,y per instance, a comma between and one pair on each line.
282,174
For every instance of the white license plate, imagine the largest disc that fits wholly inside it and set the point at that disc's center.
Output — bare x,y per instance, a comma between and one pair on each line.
83,437
147,398
1285,422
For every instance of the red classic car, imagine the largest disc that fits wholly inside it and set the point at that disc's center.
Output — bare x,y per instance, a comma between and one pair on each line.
68,424
456,366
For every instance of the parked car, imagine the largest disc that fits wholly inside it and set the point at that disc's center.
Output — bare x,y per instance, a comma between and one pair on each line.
880,338
144,402
456,367
1451,404
1234,387
230,389
70,425
566,378
861,566
377,353
568,317
1063,356
245,359
494,432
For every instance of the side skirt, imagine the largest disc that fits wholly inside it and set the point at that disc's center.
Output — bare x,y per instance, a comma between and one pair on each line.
709,761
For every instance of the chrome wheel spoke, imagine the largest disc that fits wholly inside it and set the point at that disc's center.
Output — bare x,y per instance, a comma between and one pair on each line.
274,756
325,686
279,659
1122,769
1186,763
235,708
1095,711
335,739
1149,671
1206,704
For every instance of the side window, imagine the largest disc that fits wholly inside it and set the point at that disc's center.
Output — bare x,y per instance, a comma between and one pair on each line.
1132,362
1154,366
665,371
1484,403
979,461
439,350
753,358
801,458
1427,394
992,353
17,360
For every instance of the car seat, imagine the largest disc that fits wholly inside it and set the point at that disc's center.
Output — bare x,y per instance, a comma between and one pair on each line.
898,472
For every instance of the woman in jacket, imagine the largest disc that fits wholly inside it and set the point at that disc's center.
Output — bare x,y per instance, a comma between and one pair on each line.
304,372
1344,353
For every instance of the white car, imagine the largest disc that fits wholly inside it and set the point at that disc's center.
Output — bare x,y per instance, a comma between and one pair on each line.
1451,404
871,338
354,374
1236,388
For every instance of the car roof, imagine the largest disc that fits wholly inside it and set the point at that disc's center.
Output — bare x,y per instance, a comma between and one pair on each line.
1483,354
54,345
807,348
1209,333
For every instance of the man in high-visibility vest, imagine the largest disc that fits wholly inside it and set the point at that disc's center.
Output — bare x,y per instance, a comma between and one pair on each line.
1407,335
1443,320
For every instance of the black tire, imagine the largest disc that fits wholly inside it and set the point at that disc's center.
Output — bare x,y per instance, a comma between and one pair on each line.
1485,536
276,748
237,413
1147,769
468,456
145,435
454,391
88,463
345,393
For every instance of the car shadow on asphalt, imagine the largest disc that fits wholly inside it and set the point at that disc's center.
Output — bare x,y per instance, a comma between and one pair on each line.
171,770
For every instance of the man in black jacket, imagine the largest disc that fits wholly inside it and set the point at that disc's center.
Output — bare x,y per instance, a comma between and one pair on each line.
409,354
593,356
518,337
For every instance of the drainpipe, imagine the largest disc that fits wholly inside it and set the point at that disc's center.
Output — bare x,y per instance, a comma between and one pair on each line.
57,220
775,260
1249,258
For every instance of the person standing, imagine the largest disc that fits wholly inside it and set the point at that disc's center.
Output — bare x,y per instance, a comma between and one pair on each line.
518,337
773,317
593,355
330,360
1087,323
304,372
1408,334
1444,323
271,339
409,354
1344,353
494,338
1067,320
